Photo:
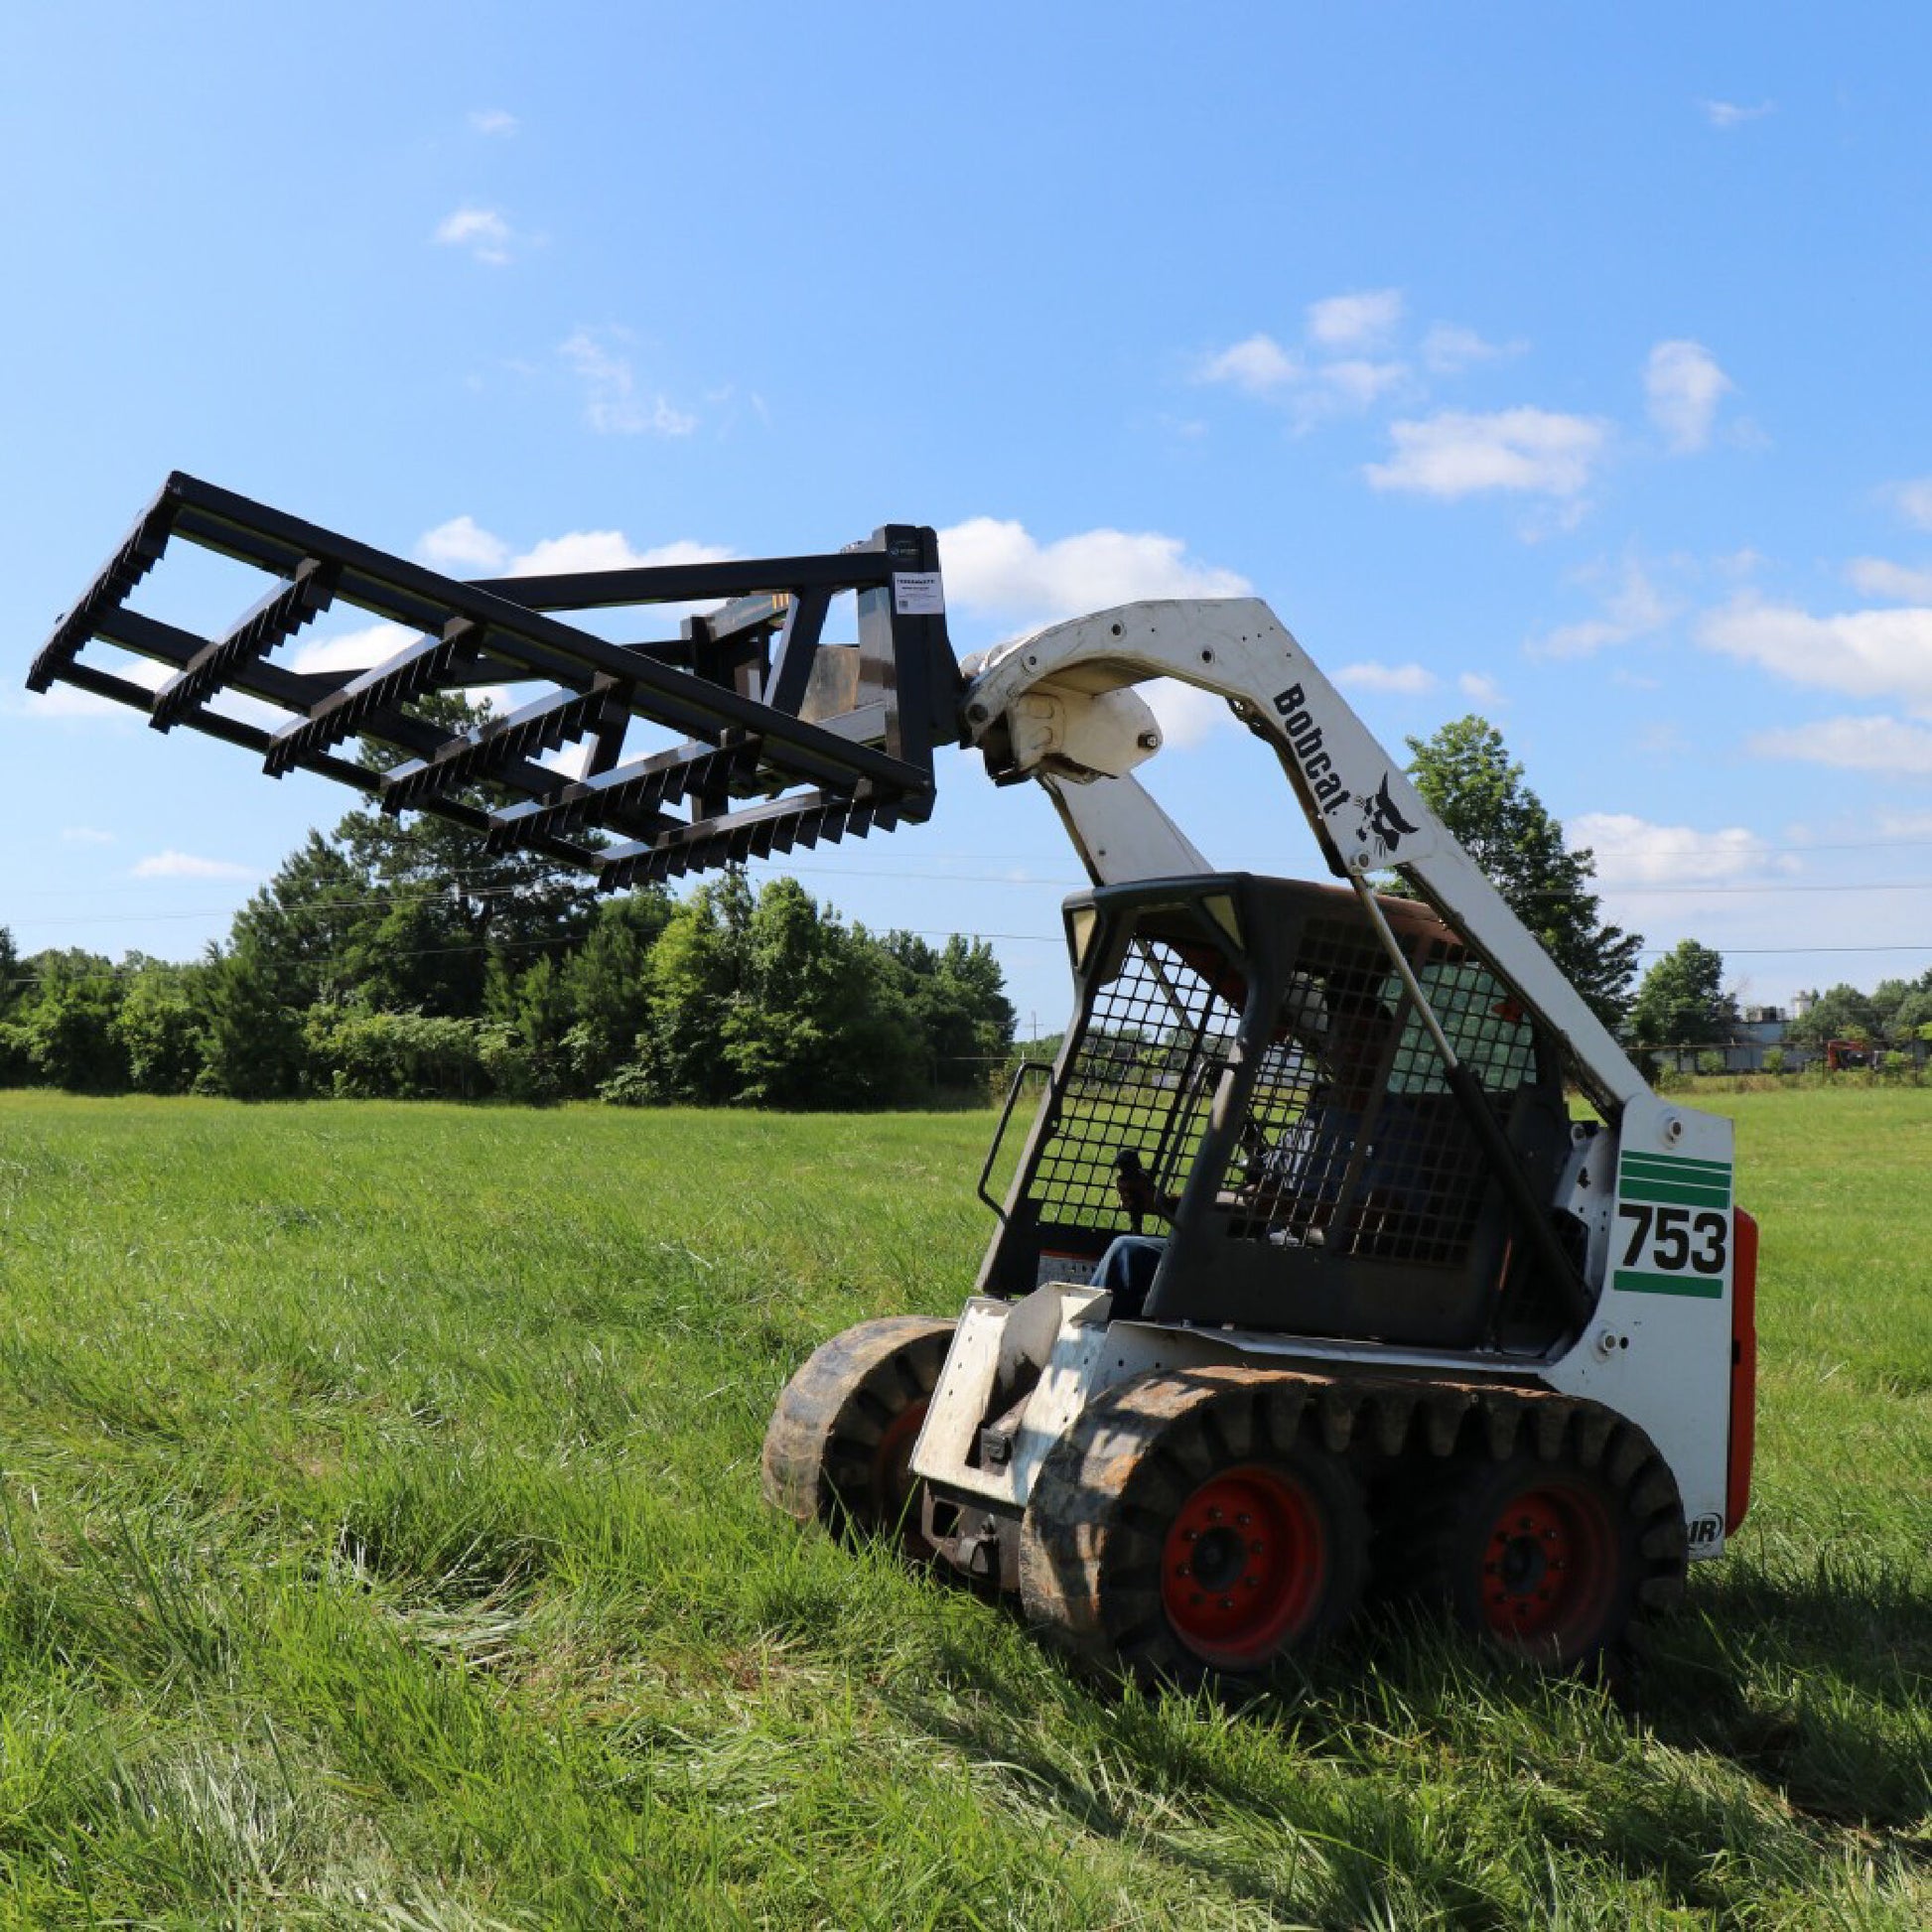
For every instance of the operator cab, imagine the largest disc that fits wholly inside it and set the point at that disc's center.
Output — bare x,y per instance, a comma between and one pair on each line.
1247,1082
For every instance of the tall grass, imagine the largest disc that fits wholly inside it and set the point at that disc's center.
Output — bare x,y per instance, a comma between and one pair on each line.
380,1545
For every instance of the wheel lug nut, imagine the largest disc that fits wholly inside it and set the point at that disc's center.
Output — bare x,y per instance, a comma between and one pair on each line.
1242,1521
1254,1548
1251,1583
1227,1602
1184,1571
1213,1515
1191,1536
1195,1597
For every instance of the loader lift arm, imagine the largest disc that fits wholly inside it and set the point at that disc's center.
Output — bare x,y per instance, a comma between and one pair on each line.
1057,706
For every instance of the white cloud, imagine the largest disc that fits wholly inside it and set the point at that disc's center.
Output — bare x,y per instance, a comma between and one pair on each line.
1001,568
1457,453
85,835
1481,687
608,550
1405,680
1359,382
1356,321
1914,501
1633,610
492,120
462,544
68,701
185,864
1884,744
352,650
1727,114
1260,365
613,405
1862,653
1632,853
1682,386
482,231
1875,577
1448,350
1187,715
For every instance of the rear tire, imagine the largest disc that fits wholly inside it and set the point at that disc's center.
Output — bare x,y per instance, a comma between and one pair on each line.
840,1442
1191,1528
1550,1558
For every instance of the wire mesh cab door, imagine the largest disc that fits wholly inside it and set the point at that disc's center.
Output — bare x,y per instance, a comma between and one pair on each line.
1162,976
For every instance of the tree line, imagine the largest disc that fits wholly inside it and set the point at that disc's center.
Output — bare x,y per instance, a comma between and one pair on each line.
400,961
1683,1002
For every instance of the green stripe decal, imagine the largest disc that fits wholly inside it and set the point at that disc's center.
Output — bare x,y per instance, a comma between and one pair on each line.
1668,1180
1703,1288
1657,1190
1670,1167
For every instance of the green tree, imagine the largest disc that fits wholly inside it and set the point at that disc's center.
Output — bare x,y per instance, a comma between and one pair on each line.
697,973
606,982
10,983
1901,1006
1470,781
957,995
1842,1012
160,1023
284,954
1682,1001
68,1022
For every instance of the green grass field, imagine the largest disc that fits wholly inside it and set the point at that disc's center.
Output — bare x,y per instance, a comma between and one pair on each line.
382,1546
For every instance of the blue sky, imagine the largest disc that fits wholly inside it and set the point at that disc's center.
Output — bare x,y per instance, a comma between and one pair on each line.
1566,367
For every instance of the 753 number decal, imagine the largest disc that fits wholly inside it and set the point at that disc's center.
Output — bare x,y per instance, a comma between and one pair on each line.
1675,1240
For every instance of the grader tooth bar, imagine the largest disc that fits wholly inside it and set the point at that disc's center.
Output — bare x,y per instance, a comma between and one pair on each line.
787,738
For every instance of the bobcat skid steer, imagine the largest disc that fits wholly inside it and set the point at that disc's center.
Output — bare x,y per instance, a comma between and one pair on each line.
1304,1256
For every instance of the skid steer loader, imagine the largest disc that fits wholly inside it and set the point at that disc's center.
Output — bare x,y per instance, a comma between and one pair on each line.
1304,1258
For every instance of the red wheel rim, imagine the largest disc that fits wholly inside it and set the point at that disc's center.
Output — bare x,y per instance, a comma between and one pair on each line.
893,1480
1243,1566
1548,1563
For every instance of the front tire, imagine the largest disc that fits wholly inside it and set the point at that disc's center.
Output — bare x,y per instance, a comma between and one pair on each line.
839,1447
1191,1528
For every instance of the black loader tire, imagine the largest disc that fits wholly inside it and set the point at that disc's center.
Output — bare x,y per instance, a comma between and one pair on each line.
837,1447
1560,1549
1193,1528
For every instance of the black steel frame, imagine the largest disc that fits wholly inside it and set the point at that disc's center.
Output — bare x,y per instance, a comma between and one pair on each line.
788,739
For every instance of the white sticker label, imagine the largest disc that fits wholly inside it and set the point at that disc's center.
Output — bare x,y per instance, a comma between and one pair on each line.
918,594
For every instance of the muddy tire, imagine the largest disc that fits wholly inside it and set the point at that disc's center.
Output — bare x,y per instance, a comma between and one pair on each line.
838,1447
1550,1552
1193,1528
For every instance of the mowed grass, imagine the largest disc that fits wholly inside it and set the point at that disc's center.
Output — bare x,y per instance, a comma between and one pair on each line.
380,1544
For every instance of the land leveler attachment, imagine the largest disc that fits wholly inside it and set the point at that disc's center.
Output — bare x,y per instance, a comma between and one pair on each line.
785,739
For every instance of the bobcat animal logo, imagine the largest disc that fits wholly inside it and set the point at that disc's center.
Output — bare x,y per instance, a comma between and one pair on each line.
1381,825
